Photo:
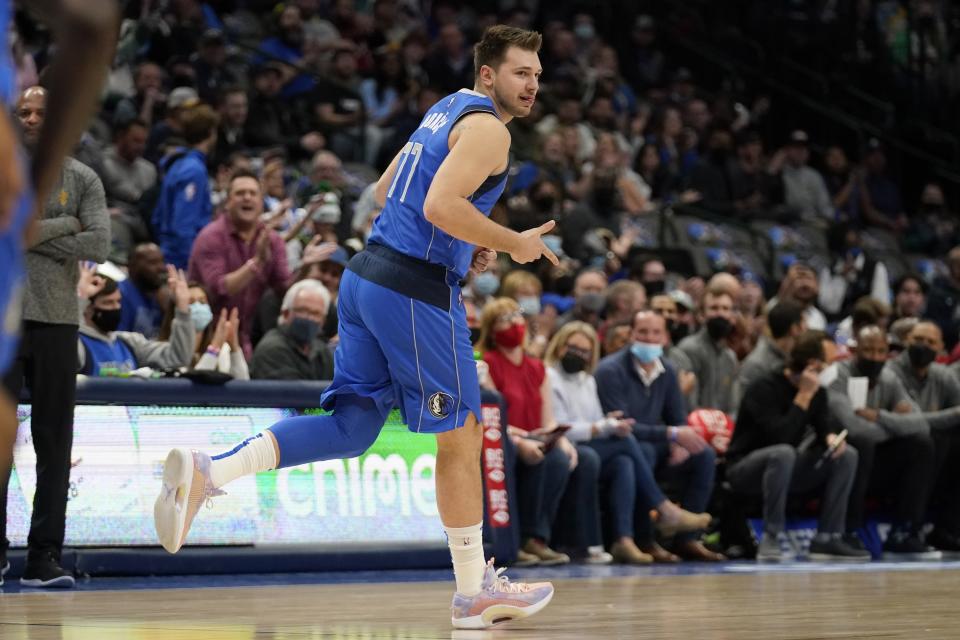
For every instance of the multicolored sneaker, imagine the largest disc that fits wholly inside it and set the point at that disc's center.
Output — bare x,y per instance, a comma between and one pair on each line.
499,601
186,486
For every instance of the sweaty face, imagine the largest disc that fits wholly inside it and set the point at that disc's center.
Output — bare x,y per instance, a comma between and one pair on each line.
516,81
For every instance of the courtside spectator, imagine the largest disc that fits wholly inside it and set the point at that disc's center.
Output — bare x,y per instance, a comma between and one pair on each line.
784,426
236,257
104,351
636,382
295,350
893,441
141,311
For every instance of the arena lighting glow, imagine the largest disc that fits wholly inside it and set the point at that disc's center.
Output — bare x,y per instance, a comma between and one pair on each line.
385,496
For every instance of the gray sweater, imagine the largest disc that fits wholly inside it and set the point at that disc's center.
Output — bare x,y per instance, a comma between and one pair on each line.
937,395
716,369
176,353
74,226
884,396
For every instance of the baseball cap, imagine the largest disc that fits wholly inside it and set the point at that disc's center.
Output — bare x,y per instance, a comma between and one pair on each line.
213,36
340,257
682,298
328,210
182,97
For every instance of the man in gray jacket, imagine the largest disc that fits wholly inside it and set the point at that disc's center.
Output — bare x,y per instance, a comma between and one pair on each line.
894,443
102,350
712,361
785,323
937,392
74,226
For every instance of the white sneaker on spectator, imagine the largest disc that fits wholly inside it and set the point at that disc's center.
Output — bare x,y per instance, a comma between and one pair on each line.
596,555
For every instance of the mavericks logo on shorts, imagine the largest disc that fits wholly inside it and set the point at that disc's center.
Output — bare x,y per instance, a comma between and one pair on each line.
440,404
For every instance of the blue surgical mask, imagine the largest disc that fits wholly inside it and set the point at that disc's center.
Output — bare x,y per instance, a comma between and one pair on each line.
554,243
646,352
201,314
486,283
529,305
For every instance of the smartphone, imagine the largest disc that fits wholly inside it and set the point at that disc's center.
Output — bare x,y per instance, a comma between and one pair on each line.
550,440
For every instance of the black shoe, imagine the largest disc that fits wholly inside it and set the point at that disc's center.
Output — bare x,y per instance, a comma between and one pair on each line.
834,549
945,541
852,539
45,571
902,545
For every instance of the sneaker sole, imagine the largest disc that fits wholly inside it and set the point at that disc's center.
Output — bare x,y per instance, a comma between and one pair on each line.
170,509
913,557
500,613
823,557
554,562
61,582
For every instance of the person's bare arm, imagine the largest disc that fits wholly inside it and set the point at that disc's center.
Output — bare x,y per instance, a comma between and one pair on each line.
380,192
480,146
86,35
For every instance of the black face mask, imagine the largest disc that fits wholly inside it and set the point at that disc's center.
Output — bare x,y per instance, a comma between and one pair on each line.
303,330
573,362
146,282
719,328
106,320
870,368
677,331
604,198
475,335
544,202
921,355
592,302
654,287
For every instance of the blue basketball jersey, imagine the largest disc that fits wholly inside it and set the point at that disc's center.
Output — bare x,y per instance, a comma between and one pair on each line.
402,225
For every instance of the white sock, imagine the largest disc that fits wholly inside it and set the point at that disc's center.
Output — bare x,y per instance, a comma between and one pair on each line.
254,454
466,549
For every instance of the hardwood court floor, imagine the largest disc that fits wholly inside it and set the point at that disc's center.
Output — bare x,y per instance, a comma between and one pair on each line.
875,604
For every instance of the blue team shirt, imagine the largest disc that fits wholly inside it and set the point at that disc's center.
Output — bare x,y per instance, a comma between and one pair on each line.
402,225
184,206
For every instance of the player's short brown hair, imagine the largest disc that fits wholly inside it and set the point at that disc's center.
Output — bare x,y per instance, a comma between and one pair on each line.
492,48
198,123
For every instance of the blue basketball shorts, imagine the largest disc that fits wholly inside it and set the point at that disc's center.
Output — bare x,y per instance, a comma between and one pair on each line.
401,351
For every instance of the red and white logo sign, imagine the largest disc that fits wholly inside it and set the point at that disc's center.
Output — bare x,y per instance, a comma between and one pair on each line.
494,471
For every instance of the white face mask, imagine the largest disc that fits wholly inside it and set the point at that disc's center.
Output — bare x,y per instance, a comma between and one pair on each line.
828,375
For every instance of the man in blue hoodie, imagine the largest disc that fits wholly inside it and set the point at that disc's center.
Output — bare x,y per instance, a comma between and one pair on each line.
184,206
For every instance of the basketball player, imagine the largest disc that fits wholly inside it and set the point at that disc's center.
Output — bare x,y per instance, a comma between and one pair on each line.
404,339
85,33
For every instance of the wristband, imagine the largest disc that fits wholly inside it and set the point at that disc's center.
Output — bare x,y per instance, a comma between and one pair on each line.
673,433
213,351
